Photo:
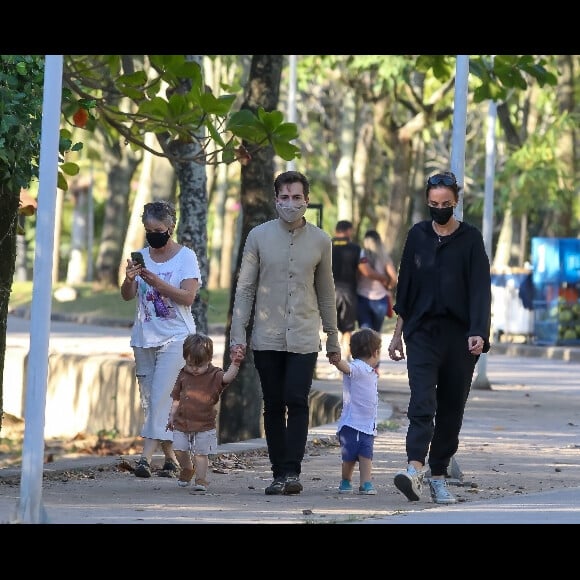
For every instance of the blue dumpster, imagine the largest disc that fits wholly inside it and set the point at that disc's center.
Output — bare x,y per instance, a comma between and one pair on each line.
556,277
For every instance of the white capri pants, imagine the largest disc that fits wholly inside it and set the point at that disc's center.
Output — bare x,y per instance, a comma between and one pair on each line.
157,369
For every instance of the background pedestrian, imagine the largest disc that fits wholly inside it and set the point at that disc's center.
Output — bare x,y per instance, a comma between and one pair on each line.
374,297
349,261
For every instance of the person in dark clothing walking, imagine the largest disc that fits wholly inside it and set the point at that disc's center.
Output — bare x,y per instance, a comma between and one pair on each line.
348,260
443,307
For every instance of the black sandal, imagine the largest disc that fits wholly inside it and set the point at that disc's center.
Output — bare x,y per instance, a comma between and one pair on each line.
169,469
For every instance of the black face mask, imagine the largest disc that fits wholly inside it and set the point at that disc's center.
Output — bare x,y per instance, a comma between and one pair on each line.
157,239
441,215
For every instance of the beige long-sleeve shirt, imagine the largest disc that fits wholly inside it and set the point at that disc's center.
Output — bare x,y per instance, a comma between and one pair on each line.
288,273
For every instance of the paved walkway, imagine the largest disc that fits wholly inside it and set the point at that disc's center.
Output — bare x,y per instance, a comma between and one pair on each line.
520,454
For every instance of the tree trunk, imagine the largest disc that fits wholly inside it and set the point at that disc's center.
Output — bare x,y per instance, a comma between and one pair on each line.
240,415
163,179
120,167
363,191
401,146
344,178
503,249
566,147
135,234
10,201
192,227
77,265
515,139
218,230
59,204
193,207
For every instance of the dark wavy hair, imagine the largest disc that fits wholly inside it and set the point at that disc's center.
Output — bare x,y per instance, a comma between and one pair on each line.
291,177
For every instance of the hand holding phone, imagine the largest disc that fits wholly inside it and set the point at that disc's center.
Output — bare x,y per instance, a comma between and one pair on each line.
137,257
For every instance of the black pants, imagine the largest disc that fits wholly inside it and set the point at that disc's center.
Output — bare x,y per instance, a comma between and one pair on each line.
440,369
286,379
346,308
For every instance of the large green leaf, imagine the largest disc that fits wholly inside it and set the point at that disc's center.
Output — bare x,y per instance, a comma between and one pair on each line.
228,154
61,182
287,131
286,150
270,120
244,124
156,107
177,105
136,79
214,134
216,106
69,168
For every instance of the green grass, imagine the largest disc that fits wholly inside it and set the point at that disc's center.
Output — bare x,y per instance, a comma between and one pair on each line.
95,301
107,303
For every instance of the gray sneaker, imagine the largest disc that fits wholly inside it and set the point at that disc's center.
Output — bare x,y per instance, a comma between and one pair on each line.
410,483
440,492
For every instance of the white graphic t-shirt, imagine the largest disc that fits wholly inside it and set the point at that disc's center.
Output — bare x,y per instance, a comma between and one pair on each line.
158,320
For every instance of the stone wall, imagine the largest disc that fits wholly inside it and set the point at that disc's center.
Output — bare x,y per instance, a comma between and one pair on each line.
92,393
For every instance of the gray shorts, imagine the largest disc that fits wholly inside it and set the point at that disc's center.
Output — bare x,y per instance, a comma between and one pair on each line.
200,443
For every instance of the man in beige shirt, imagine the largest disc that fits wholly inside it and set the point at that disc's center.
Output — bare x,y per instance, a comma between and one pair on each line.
286,272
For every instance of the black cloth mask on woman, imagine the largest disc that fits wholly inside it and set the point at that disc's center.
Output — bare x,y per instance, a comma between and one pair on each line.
441,215
157,239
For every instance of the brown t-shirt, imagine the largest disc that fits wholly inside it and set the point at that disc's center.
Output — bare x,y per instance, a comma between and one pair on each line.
198,396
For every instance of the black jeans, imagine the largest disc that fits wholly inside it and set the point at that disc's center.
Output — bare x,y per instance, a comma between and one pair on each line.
440,369
286,379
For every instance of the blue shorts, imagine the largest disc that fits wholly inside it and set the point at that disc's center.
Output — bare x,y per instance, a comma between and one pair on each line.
355,444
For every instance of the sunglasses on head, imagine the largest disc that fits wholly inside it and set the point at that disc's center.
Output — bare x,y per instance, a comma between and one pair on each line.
441,178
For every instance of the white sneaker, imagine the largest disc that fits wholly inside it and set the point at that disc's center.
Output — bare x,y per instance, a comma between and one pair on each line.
440,492
410,483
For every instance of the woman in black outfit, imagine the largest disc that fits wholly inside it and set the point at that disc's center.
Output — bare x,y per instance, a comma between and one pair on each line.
443,307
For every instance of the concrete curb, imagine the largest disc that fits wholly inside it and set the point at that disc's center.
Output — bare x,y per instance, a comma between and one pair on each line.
564,353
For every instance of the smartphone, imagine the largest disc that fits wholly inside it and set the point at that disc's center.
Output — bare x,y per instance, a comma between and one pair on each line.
137,257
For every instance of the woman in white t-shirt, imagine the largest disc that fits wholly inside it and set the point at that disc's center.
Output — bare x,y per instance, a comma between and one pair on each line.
375,300
165,289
